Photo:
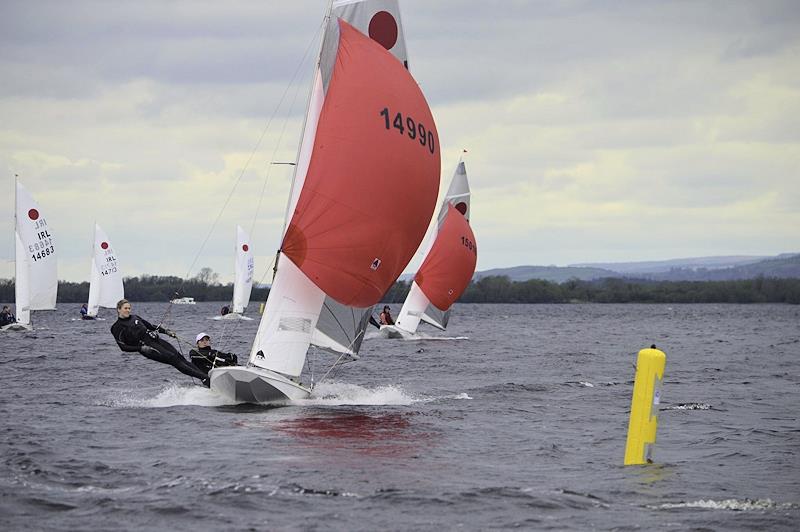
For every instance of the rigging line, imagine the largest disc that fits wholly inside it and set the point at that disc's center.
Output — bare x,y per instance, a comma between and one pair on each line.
286,120
250,158
340,358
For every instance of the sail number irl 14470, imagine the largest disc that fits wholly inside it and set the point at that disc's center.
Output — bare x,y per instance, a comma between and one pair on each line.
410,127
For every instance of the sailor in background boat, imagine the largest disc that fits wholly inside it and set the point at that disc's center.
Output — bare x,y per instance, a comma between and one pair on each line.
386,316
135,334
206,358
6,317
85,313
224,310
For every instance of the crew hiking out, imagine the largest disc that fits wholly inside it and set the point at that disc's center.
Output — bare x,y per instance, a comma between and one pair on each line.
135,334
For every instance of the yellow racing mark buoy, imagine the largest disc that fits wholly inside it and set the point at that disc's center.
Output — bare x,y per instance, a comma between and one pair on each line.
644,406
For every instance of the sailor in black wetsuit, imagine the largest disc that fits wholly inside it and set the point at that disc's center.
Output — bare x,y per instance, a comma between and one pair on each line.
135,334
6,317
206,358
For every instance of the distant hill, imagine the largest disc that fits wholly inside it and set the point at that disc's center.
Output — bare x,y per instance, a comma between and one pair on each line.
556,274
786,265
659,266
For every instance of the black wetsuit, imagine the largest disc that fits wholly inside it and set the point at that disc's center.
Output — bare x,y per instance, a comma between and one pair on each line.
135,334
207,358
6,318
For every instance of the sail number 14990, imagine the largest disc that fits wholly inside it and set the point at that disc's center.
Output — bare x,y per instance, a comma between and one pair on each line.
409,126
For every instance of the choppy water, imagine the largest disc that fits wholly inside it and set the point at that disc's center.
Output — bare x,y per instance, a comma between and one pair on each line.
521,425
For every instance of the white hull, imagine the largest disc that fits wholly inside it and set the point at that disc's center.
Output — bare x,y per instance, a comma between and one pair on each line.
393,331
16,327
255,385
233,316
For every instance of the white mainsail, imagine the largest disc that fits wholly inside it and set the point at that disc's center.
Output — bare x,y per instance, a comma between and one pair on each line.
105,285
243,282
417,306
36,283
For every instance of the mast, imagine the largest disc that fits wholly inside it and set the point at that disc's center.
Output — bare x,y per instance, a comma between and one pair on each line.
314,69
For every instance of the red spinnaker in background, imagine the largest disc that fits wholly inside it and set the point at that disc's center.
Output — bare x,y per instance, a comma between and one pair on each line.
370,190
449,266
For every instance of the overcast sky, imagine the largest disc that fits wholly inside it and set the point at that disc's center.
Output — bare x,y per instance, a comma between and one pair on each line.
596,131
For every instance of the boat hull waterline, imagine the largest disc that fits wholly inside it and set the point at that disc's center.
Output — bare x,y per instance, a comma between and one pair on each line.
250,384
16,327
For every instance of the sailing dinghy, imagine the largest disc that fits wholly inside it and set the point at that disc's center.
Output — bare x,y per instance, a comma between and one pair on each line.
447,268
369,148
243,280
36,276
105,285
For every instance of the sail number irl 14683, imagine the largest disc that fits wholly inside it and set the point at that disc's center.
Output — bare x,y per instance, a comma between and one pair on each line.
410,127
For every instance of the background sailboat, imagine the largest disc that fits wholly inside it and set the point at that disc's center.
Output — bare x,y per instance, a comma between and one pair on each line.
105,285
369,147
243,278
36,275
448,265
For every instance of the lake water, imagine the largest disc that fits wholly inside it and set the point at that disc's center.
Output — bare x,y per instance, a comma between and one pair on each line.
522,425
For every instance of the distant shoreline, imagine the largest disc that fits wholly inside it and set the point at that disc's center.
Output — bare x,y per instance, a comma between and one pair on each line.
492,289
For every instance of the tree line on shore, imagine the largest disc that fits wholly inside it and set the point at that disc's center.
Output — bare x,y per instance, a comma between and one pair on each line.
493,289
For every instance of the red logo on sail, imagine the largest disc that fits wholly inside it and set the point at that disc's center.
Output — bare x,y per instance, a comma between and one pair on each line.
383,29
245,247
33,214
104,245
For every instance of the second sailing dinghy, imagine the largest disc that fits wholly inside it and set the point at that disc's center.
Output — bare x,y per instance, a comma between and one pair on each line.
243,280
369,149
36,277
105,285
447,268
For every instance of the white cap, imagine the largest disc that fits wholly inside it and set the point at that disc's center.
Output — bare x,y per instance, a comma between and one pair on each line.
201,336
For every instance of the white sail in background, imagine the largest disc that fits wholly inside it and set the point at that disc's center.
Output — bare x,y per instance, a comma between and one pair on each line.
243,282
417,306
105,285
36,268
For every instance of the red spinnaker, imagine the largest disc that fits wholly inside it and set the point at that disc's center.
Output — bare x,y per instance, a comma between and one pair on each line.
449,266
372,183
